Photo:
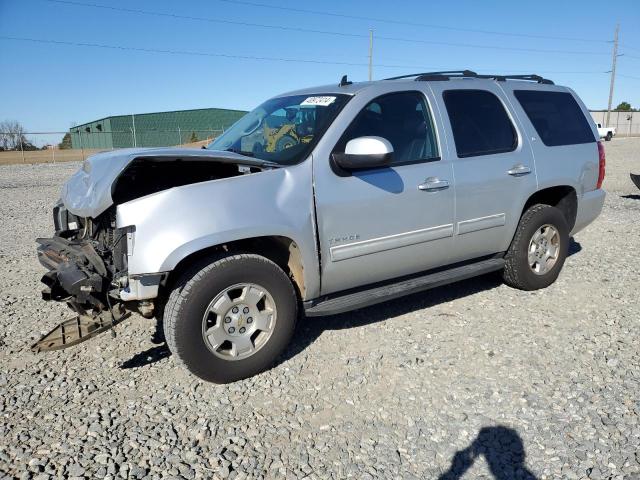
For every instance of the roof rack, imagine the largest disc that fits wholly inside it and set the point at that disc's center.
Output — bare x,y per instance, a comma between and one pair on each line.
533,77
443,76
448,73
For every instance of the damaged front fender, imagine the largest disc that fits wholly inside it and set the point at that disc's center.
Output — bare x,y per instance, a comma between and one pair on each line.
172,224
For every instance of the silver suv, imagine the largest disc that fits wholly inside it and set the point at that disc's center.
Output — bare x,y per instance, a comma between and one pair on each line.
321,201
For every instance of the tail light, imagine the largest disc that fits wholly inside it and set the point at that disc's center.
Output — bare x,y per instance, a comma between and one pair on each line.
601,164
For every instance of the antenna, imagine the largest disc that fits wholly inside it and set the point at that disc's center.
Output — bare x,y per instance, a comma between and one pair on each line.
344,81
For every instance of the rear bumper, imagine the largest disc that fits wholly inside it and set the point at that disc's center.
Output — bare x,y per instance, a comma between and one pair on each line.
589,207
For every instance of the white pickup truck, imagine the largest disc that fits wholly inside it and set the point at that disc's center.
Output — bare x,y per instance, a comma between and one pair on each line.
606,132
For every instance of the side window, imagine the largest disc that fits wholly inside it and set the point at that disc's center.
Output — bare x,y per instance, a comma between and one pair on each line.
556,116
404,120
479,122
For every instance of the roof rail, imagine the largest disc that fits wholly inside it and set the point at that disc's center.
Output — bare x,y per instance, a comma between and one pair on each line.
440,76
532,77
448,73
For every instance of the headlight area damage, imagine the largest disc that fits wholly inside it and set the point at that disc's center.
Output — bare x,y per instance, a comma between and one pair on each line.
87,258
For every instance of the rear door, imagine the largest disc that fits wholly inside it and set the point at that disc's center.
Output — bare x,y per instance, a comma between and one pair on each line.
563,137
493,165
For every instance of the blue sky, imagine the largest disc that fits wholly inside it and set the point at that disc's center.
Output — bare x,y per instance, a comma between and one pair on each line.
50,86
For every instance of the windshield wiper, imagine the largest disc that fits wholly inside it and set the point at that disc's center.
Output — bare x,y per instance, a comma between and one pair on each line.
240,152
260,161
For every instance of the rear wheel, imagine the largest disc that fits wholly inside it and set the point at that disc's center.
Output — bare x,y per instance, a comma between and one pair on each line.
609,136
230,319
538,250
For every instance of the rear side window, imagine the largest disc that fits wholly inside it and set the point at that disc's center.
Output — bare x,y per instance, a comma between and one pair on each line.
556,116
479,122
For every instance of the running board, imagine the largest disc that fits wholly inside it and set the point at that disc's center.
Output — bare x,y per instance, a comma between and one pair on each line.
341,303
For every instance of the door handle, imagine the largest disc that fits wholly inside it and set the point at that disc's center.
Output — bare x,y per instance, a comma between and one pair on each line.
433,184
519,170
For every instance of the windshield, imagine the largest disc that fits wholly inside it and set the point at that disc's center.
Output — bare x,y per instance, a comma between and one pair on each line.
282,130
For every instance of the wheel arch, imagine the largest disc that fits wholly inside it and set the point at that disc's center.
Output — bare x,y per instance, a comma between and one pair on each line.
281,250
563,197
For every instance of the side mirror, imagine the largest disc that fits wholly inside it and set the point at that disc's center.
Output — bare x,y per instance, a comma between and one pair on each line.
363,153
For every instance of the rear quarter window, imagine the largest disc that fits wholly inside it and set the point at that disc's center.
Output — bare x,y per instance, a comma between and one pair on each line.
556,116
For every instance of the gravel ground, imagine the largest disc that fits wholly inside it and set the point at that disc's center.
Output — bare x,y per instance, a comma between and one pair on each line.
476,375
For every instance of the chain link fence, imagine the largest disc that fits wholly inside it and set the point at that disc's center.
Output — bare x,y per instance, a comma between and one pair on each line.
53,147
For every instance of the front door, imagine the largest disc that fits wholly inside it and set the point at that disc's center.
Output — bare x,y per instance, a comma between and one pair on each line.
383,223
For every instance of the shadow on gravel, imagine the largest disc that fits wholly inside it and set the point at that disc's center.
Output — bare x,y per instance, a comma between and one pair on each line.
574,247
632,196
152,355
503,451
309,329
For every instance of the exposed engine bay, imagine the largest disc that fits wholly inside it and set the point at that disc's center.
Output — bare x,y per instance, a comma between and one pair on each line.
144,176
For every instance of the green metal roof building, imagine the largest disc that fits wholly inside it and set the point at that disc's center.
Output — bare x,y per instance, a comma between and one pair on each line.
160,129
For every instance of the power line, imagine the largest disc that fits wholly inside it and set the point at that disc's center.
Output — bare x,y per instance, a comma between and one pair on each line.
315,31
183,52
196,53
629,48
415,24
241,57
202,19
227,55
628,76
491,47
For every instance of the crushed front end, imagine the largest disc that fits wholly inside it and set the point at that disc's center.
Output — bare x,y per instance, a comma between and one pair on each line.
86,261
122,225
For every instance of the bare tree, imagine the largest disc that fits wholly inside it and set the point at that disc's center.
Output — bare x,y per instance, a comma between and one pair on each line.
12,136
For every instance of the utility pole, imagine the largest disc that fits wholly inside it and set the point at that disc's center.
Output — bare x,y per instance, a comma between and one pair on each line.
613,72
21,146
370,55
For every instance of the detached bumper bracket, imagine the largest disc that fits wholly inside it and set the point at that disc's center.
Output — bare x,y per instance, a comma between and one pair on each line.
77,330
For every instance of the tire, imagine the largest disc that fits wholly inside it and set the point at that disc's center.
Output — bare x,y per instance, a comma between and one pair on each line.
192,298
608,137
518,271
287,141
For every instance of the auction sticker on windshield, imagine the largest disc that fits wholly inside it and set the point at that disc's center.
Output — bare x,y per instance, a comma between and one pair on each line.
318,101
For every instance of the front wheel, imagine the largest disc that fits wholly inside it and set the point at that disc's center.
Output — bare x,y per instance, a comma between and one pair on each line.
538,250
230,319
609,136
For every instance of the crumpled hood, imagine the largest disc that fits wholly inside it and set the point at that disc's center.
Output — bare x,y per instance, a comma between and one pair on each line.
88,192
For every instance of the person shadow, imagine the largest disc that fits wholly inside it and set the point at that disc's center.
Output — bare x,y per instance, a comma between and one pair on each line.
503,450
